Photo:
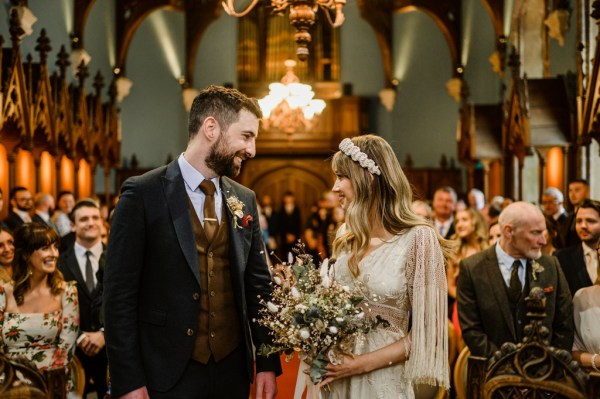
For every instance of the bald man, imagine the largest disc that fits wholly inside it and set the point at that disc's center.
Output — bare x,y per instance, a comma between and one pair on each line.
493,284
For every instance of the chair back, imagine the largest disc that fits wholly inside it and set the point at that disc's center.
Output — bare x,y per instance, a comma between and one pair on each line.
21,380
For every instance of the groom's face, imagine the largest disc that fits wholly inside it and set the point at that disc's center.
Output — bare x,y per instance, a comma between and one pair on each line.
234,146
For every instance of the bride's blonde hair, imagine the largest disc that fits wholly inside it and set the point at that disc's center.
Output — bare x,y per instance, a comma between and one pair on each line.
387,196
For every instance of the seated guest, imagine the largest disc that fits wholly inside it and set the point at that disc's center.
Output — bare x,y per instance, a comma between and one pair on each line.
444,204
579,262
493,234
552,206
43,206
22,204
423,209
7,253
65,201
83,263
493,284
39,314
586,312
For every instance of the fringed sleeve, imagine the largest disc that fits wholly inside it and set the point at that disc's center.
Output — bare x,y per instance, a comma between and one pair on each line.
427,290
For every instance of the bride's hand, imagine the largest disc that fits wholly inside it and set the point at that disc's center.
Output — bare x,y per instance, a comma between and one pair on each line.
350,365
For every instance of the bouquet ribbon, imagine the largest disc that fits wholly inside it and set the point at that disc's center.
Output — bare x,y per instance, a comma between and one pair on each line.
303,383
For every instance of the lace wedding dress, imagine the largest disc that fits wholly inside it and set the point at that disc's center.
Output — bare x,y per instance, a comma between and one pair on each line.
406,273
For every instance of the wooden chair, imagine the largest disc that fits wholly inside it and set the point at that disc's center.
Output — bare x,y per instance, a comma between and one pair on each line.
531,368
21,380
460,373
77,376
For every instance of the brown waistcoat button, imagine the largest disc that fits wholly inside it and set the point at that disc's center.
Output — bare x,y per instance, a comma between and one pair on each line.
190,332
196,296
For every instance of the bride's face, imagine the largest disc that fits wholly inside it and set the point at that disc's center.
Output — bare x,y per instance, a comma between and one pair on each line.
343,188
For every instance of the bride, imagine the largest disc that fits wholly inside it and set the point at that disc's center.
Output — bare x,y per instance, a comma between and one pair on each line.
396,256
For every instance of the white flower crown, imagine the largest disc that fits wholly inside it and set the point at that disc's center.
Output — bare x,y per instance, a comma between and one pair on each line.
348,148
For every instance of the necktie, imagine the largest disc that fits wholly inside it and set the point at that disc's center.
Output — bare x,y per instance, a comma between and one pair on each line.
210,215
89,272
515,286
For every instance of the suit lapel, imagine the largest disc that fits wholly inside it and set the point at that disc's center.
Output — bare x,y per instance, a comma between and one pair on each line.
582,273
498,288
177,200
73,266
235,234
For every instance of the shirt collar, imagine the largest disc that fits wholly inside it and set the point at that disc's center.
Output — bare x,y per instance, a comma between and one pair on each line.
505,259
22,214
587,249
193,177
96,250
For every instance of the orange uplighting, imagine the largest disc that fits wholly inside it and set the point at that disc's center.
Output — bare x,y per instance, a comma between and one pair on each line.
84,179
25,171
555,167
67,174
4,181
47,174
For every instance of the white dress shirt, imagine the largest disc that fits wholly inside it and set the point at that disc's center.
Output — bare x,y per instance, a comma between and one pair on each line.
505,262
192,179
96,251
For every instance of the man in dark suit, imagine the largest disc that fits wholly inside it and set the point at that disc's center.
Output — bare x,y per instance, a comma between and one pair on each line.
83,263
579,190
186,270
493,284
22,204
552,206
580,262
443,205
43,206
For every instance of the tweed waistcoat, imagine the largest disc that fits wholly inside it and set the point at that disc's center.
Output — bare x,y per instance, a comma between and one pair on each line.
518,309
219,331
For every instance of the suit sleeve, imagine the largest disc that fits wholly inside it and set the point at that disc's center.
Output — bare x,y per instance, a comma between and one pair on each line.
469,315
258,283
124,263
562,325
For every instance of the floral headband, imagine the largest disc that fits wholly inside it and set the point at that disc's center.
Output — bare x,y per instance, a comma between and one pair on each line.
348,148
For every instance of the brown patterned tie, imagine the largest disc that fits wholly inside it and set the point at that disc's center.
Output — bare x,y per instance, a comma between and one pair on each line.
210,214
515,287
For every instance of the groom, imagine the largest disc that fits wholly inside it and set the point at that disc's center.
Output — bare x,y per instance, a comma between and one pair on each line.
184,274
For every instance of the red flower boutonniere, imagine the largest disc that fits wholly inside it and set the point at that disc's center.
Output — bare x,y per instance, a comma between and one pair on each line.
548,290
246,220
237,210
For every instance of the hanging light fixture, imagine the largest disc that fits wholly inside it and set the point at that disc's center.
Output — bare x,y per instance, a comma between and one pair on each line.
290,106
303,14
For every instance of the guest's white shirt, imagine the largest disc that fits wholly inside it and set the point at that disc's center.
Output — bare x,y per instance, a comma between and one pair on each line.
505,262
96,251
443,227
591,261
62,222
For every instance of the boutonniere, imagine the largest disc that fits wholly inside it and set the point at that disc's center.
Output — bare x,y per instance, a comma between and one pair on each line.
535,269
237,210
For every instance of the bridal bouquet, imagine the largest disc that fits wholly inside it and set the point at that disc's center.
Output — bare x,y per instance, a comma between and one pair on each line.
313,315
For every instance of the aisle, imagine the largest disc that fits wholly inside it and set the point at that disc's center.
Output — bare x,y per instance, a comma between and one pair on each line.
286,382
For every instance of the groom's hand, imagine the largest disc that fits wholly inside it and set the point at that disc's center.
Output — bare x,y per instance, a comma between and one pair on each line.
266,385
140,393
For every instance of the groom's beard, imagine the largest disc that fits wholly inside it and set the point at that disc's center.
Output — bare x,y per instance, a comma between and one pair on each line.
221,161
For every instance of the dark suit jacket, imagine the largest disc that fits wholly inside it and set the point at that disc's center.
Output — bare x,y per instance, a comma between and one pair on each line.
89,302
573,266
483,305
152,280
38,219
13,221
567,232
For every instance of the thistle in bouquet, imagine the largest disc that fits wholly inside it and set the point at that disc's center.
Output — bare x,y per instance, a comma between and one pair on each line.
312,314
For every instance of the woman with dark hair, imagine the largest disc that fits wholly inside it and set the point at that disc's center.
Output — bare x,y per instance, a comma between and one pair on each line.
39,313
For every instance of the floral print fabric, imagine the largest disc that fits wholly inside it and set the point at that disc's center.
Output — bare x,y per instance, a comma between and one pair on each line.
45,339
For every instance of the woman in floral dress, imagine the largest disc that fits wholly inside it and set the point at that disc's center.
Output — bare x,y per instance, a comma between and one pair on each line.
39,313
397,259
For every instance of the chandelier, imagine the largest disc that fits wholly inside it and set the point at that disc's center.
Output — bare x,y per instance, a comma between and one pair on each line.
303,14
289,106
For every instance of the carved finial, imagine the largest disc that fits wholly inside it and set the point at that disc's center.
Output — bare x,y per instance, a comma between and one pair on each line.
63,61
82,73
98,83
112,91
16,32
596,10
43,46
444,162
